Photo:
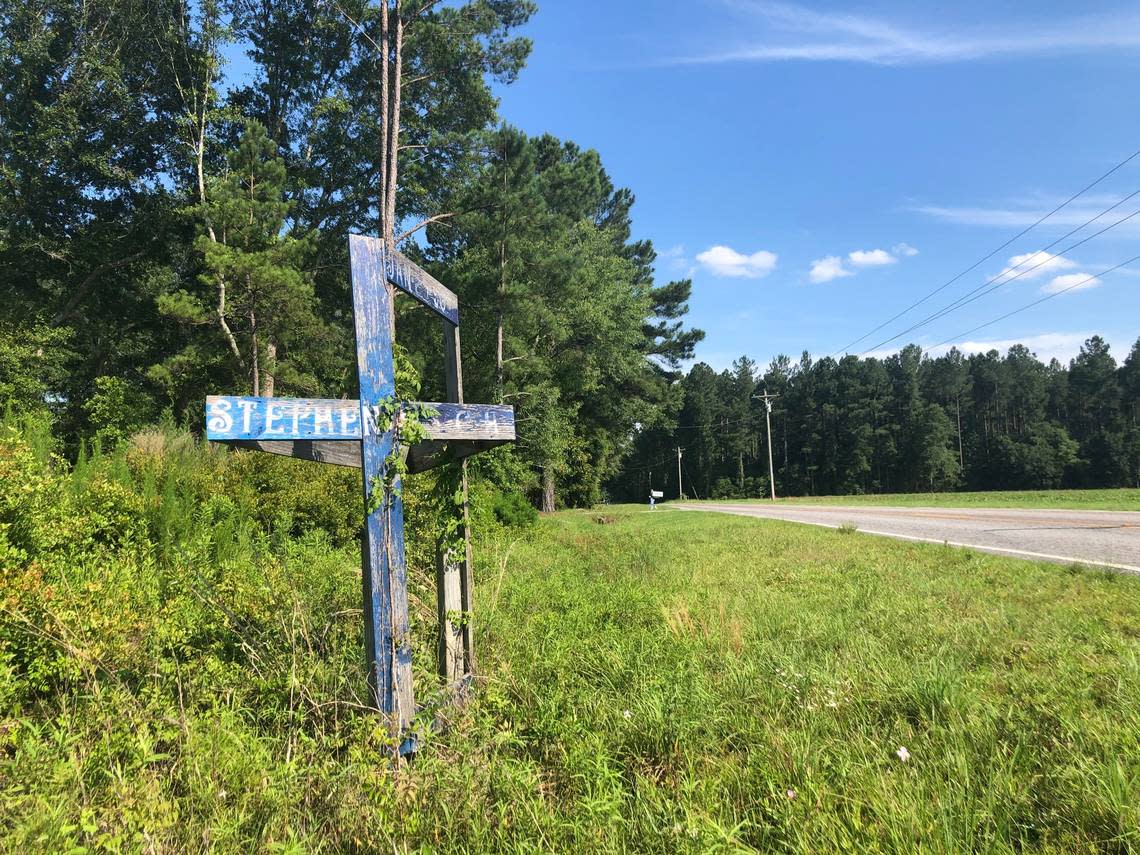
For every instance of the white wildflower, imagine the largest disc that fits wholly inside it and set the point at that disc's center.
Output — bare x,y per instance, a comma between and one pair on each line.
904,755
791,794
627,715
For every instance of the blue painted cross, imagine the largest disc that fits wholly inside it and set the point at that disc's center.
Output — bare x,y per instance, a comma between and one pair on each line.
352,433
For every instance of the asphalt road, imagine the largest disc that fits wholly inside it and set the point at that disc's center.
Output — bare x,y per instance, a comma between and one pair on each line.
1103,538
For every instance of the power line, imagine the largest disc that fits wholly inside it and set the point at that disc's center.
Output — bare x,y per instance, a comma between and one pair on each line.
963,301
714,424
711,424
1004,278
645,466
1038,302
991,254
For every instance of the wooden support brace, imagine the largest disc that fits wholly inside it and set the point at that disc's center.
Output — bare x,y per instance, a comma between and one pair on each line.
453,560
421,457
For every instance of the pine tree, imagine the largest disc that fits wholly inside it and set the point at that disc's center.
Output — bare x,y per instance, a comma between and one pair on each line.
254,293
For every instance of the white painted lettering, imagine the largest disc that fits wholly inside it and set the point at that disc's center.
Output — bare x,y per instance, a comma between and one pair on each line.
247,408
272,414
219,419
369,426
348,418
322,416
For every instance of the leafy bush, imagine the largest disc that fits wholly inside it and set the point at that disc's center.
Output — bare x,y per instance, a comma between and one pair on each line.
115,409
180,671
33,360
180,636
514,511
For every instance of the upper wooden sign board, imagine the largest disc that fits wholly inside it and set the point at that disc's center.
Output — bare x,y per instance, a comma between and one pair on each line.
414,280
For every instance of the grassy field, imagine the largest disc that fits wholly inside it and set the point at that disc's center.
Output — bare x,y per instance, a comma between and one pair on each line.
682,682
180,672
1123,499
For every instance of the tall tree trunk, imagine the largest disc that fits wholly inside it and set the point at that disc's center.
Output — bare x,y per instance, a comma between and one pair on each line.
270,368
548,489
394,132
501,319
253,353
382,203
201,109
391,71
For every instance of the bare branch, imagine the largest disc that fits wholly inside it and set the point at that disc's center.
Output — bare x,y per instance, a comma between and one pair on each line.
438,218
89,280
425,8
356,25
224,325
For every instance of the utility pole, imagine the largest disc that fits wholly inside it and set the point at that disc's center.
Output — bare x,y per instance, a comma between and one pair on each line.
680,489
767,399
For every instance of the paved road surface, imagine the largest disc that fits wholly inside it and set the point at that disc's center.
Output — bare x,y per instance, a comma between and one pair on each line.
1106,538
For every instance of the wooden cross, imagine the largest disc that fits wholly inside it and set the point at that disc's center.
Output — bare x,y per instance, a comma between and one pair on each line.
347,433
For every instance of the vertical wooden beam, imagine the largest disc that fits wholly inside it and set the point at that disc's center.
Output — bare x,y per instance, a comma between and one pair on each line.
385,580
453,571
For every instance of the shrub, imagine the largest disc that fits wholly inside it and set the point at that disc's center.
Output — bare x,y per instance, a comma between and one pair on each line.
115,409
514,511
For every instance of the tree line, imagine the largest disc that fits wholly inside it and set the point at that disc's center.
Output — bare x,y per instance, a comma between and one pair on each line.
173,226
908,422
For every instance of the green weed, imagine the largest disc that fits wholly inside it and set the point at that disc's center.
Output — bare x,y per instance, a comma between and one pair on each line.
180,671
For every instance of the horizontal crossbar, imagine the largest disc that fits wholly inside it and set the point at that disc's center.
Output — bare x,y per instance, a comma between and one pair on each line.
406,275
231,417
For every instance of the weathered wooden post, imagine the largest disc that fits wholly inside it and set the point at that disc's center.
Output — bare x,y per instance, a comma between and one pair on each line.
383,568
453,575
365,433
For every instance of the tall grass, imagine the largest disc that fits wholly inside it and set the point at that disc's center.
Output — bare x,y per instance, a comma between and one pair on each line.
180,671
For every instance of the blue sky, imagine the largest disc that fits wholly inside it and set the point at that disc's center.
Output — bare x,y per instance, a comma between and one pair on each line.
816,168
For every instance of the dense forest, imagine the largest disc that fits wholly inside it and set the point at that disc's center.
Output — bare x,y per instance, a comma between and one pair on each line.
905,423
179,181
173,226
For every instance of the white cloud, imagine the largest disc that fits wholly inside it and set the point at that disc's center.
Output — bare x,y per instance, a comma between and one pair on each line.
1028,212
828,268
675,261
871,257
1031,265
1069,282
794,32
834,267
725,261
